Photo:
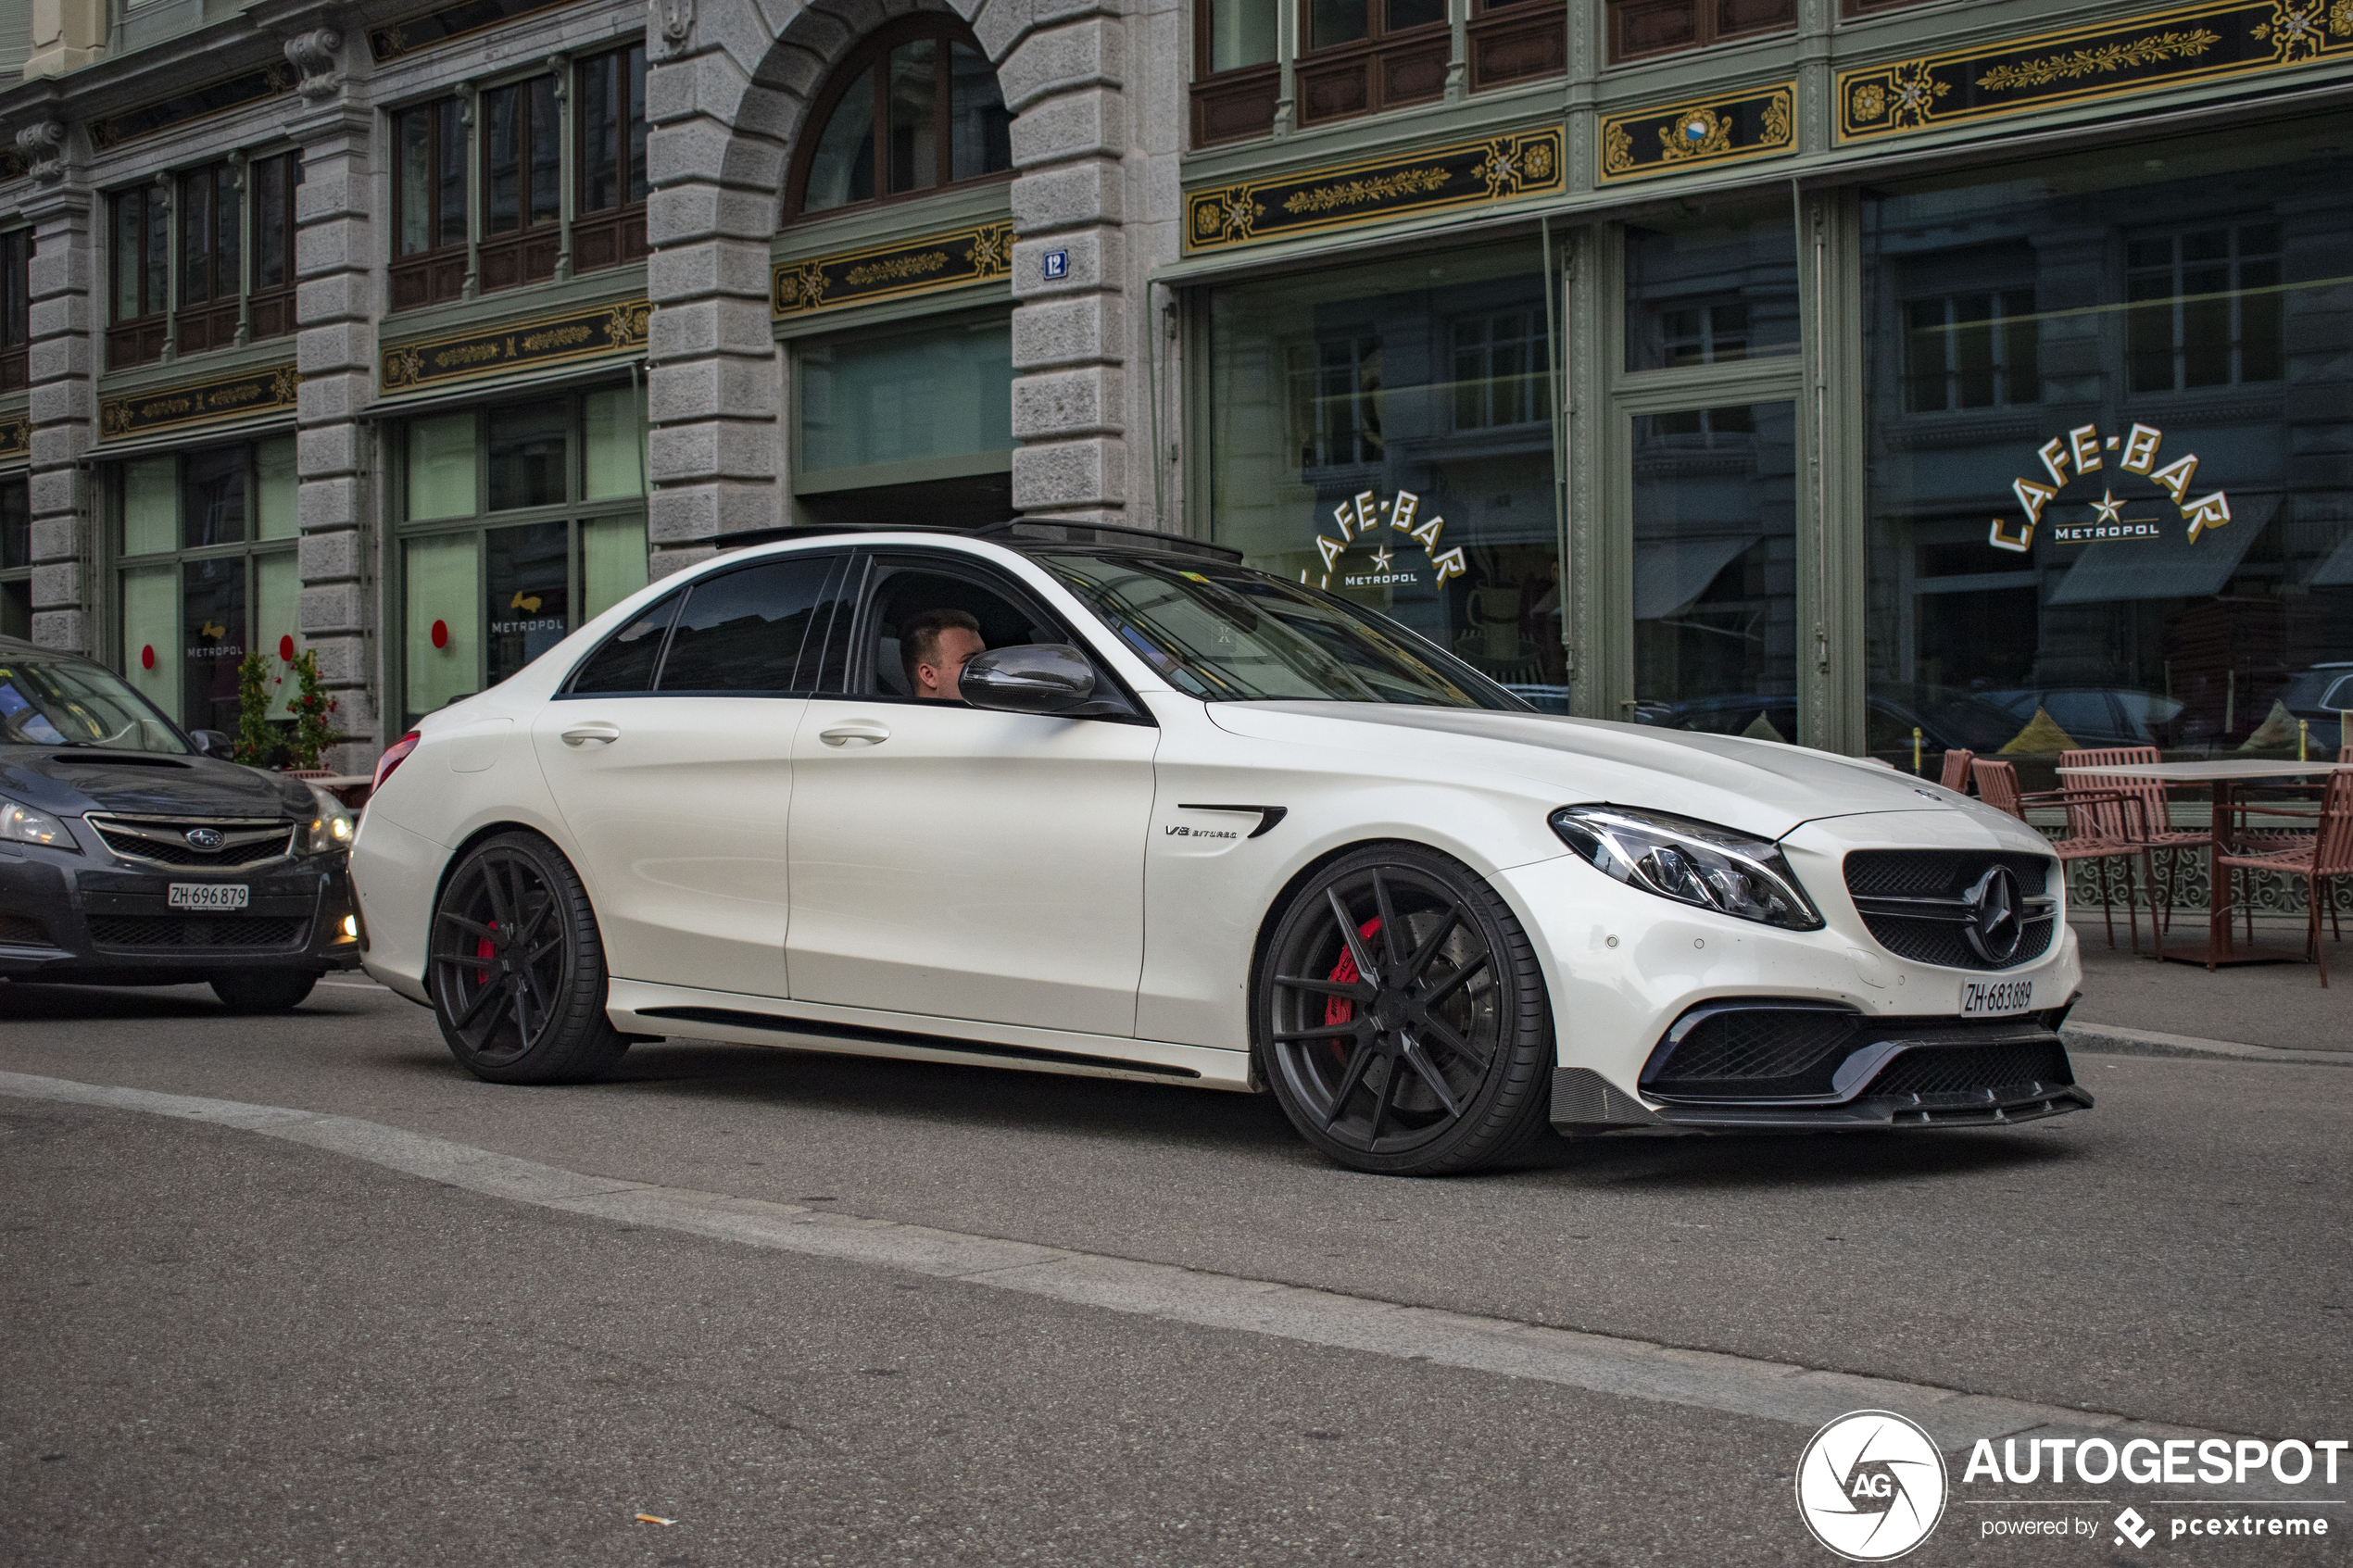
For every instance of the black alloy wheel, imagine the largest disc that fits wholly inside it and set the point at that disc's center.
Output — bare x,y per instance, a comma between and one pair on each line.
1402,1017
518,971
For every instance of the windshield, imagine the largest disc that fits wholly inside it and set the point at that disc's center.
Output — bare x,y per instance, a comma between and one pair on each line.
1223,633
65,702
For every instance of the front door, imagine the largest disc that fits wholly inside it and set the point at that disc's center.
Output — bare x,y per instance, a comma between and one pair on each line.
965,864
670,760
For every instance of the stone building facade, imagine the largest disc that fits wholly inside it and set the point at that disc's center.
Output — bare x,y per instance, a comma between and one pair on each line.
1882,375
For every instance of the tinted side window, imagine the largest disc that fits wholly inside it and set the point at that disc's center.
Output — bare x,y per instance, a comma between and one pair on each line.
742,631
628,660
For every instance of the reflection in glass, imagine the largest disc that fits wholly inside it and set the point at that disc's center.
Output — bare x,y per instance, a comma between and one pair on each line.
2188,580
842,170
1386,431
212,496
150,650
914,106
212,618
528,447
1336,21
524,577
1714,509
943,391
1713,283
983,131
1242,33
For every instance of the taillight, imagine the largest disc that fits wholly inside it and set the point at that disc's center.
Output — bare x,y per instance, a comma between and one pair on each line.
394,755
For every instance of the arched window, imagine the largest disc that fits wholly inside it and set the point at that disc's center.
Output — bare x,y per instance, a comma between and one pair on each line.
915,108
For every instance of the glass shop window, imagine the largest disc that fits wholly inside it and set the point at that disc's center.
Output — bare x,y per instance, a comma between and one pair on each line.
2153,551
1385,431
915,108
520,522
1711,283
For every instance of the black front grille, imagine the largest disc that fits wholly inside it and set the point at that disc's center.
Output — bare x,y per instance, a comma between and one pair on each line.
21,930
173,849
1758,1051
1946,874
1938,874
1950,1070
197,931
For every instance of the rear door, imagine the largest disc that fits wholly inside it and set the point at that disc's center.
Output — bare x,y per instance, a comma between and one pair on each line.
670,760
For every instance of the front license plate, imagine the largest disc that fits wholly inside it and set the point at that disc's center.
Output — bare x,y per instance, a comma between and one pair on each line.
1996,999
208,894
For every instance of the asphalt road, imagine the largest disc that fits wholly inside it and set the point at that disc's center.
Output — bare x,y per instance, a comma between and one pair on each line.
226,1348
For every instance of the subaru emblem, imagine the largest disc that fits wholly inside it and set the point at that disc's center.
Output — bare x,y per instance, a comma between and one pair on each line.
207,839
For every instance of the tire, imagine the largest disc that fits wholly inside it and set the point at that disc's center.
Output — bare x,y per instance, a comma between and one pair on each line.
1439,1059
263,990
518,972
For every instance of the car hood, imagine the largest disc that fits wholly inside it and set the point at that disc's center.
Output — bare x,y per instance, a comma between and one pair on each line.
146,784
1760,786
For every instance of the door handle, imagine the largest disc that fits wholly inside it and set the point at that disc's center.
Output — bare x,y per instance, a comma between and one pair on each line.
594,733
855,732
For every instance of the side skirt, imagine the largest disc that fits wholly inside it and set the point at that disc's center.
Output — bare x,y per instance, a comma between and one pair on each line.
642,1008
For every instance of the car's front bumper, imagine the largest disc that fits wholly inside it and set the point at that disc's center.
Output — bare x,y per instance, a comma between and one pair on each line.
1624,966
73,916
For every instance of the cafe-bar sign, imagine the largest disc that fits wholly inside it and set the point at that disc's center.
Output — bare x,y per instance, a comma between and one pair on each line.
1360,518
2081,453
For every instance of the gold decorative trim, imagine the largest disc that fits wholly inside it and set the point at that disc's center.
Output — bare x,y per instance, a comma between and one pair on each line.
588,332
2223,38
16,436
1498,169
1672,137
264,390
952,260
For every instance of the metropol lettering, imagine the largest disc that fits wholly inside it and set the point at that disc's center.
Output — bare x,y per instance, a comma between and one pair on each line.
2082,450
1359,516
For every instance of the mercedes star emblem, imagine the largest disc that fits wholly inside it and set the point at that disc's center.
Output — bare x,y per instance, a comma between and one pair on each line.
1993,928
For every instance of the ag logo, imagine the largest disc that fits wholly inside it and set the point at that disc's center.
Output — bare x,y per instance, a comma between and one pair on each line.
1870,1486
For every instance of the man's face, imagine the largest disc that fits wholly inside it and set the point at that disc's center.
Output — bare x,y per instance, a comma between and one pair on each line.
937,676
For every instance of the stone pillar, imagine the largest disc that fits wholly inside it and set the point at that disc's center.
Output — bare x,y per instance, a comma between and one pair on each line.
336,265
1062,83
716,160
66,35
62,369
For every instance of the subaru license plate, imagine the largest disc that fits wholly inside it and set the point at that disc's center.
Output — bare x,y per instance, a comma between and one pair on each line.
1996,999
208,894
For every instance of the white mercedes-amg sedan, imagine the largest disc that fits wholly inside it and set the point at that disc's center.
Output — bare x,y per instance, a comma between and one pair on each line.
1086,799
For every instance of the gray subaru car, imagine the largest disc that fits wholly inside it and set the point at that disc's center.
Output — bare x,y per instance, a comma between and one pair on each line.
133,853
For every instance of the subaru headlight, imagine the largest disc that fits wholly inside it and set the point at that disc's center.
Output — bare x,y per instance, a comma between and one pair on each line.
331,825
25,826
1698,863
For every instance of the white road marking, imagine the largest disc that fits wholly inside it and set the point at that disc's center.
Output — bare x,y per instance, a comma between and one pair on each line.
1603,1363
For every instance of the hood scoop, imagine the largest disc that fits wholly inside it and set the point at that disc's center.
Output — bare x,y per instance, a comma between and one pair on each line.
115,759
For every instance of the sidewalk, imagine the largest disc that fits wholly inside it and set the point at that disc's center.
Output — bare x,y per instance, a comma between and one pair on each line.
2280,1006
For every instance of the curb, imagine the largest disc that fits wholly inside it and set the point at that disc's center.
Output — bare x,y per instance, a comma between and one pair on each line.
2141,1042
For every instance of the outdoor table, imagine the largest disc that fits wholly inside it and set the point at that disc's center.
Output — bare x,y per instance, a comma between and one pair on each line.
2219,776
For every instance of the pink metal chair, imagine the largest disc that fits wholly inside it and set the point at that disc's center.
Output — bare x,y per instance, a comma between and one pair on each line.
2320,860
1956,763
2102,825
2156,810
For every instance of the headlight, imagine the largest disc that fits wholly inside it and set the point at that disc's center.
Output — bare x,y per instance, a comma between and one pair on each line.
1690,862
330,827
26,825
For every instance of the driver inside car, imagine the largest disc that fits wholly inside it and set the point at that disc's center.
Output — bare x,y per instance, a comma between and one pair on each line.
934,647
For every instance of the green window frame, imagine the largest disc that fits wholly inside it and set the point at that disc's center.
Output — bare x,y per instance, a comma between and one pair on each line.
519,522
204,573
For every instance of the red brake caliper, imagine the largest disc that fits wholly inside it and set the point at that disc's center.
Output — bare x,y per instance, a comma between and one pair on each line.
1340,1010
483,949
